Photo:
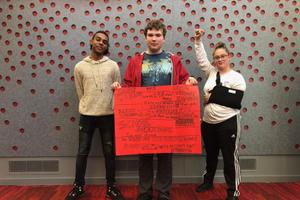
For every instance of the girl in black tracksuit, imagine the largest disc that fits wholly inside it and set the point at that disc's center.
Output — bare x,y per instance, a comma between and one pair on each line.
221,124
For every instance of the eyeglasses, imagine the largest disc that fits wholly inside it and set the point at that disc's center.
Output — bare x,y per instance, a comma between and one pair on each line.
220,57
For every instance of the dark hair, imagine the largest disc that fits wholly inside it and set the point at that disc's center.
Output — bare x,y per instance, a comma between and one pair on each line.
221,45
155,24
106,34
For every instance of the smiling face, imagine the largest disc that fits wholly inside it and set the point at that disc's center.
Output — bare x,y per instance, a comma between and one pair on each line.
222,59
155,40
99,44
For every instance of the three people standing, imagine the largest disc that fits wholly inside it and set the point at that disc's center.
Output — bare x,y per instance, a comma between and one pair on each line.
95,78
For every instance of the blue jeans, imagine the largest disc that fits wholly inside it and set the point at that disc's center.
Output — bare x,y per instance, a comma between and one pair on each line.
87,126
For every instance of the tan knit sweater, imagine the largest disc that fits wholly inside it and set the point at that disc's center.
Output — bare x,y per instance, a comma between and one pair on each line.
93,81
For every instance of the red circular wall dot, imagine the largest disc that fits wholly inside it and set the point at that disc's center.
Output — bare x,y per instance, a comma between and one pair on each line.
131,15
51,91
60,66
87,13
98,11
32,91
14,104
67,70
243,146
33,115
22,130
286,89
6,122
58,128
31,5
48,72
56,110
19,82
15,148
55,148
72,119
272,53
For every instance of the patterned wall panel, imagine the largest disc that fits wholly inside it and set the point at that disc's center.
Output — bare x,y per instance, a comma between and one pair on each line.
41,41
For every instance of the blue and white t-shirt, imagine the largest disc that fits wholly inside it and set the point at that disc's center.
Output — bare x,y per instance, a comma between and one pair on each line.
157,69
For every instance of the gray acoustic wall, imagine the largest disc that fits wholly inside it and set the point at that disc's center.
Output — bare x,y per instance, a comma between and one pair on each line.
41,41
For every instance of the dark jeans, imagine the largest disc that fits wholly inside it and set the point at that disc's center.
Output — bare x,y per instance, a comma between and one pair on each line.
87,126
223,136
163,174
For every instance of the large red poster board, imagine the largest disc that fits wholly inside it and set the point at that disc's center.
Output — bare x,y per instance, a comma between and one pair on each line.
161,119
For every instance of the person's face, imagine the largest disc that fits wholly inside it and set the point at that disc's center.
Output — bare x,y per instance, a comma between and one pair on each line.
155,40
99,43
221,59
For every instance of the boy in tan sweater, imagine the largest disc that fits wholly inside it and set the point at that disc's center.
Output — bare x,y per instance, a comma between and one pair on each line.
94,76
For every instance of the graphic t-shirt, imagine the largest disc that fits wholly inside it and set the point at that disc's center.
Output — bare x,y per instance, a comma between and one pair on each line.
157,69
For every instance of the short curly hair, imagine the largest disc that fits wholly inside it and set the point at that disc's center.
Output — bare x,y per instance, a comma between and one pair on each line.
106,34
155,24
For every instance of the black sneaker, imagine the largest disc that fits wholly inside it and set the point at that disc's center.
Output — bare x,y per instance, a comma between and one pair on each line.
75,193
161,197
113,193
204,187
232,198
144,196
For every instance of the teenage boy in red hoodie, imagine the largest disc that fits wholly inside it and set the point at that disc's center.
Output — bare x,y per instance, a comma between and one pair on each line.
155,67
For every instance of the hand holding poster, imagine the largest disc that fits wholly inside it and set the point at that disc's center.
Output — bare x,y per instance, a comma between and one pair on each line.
164,119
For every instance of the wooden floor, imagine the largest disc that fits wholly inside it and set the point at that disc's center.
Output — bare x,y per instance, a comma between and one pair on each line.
249,191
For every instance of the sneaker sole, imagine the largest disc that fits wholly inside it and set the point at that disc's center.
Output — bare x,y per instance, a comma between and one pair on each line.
207,189
80,196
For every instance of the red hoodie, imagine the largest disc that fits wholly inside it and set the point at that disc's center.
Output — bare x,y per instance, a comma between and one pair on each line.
133,73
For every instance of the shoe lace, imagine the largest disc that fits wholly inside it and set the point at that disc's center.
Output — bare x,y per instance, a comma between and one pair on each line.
113,191
76,190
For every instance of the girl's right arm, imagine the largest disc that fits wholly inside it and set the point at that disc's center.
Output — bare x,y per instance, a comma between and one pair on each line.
201,55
